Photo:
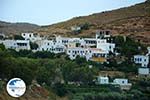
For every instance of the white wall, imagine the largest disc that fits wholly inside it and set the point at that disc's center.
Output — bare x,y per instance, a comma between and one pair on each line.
121,81
143,71
141,59
103,80
102,44
15,44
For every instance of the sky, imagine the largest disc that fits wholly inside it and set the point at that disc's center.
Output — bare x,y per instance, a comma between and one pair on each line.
46,12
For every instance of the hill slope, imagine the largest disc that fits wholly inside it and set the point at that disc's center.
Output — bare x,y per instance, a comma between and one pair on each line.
16,28
133,20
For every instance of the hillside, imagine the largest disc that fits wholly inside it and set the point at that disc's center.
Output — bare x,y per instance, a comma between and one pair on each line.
16,28
133,20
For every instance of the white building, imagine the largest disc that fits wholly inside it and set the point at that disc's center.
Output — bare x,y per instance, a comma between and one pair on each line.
16,44
102,80
104,45
50,45
88,53
144,71
75,28
77,51
123,83
89,42
120,81
100,34
141,59
31,36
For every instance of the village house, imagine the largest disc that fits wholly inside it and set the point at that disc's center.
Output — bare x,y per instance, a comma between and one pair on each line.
102,80
16,44
123,83
143,60
31,36
50,45
75,28
143,71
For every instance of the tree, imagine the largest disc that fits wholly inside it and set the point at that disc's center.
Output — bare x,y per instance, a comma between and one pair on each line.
80,60
60,89
33,46
85,26
2,47
18,37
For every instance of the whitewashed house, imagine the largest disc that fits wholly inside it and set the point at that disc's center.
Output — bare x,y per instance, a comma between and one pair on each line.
102,80
16,44
89,42
88,53
104,45
101,34
78,51
31,36
144,61
50,45
75,28
143,71
120,81
141,59
123,83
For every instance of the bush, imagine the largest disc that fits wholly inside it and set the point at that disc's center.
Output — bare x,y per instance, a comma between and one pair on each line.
18,37
2,47
33,46
60,89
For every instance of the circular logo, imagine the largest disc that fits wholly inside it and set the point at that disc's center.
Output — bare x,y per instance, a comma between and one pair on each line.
16,87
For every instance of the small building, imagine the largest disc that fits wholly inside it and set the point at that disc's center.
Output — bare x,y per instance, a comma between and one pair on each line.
100,34
120,81
31,36
78,51
102,80
50,45
141,59
123,83
16,44
88,53
144,71
75,28
104,45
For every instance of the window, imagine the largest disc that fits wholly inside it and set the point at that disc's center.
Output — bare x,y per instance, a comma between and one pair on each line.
140,59
109,47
